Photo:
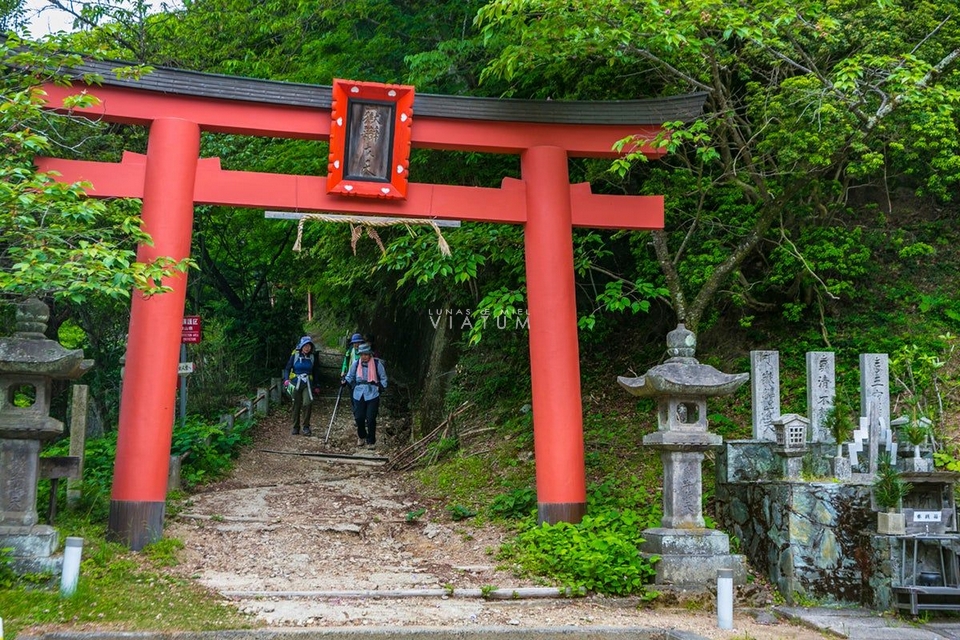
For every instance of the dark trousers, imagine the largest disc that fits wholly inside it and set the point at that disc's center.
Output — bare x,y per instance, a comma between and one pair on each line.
302,403
365,415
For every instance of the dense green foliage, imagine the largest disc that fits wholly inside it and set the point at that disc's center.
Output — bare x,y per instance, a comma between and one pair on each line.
598,555
53,240
808,106
208,451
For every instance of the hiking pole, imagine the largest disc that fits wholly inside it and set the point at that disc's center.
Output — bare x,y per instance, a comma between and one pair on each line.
334,415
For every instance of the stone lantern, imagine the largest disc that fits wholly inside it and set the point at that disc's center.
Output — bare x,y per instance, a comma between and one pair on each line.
791,432
690,554
29,363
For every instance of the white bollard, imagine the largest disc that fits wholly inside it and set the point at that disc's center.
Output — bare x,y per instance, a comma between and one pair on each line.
71,566
725,598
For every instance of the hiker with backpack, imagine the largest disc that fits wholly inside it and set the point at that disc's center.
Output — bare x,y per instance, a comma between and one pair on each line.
350,359
367,379
298,380
351,356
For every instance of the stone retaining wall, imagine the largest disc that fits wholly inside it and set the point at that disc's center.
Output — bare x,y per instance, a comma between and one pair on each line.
808,536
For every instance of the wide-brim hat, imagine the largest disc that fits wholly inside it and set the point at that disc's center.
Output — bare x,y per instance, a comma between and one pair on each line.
356,338
364,348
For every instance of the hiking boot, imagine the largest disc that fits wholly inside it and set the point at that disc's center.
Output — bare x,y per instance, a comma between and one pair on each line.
295,431
307,432
361,442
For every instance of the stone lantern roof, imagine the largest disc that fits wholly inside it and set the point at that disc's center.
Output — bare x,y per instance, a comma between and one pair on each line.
682,374
29,352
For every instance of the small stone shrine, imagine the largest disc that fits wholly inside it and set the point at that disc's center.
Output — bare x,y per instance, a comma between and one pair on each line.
802,504
29,363
690,554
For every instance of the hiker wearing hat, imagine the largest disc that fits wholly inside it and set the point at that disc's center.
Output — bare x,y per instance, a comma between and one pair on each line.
298,377
351,356
367,379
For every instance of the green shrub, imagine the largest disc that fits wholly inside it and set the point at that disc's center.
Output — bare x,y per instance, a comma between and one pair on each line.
211,454
211,449
98,460
8,577
601,554
517,504
917,431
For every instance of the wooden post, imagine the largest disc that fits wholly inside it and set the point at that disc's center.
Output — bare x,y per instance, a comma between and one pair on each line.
173,476
78,438
263,401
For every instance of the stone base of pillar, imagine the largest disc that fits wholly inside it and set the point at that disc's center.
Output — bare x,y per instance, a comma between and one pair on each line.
917,465
841,468
52,567
690,558
32,549
38,541
554,512
135,524
792,466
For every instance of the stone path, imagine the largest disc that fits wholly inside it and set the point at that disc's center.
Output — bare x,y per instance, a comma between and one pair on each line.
302,541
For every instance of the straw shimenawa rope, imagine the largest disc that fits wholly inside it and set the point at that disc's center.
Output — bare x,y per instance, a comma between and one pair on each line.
357,225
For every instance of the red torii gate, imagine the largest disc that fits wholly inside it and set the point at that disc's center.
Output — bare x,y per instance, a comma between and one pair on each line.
171,179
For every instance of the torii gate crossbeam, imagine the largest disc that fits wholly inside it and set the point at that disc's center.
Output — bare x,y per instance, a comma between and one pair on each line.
171,179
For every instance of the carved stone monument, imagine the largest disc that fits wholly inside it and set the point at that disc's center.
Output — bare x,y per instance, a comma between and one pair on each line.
690,554
875,387
821,392
29,363
765,393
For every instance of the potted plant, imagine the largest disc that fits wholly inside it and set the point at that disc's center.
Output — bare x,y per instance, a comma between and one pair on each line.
889,490
917,431
840,425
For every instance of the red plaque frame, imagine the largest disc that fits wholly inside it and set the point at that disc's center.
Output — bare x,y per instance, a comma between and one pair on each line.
370,139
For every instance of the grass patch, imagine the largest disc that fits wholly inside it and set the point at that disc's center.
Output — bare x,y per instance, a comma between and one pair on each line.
459,480
123,591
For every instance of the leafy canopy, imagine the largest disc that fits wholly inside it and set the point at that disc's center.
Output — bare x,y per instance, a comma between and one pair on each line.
54,239
808,104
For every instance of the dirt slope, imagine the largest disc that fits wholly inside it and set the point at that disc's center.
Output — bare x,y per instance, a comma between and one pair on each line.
313,533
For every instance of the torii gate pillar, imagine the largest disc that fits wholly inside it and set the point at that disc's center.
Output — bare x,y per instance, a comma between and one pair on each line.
554,352
147,399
